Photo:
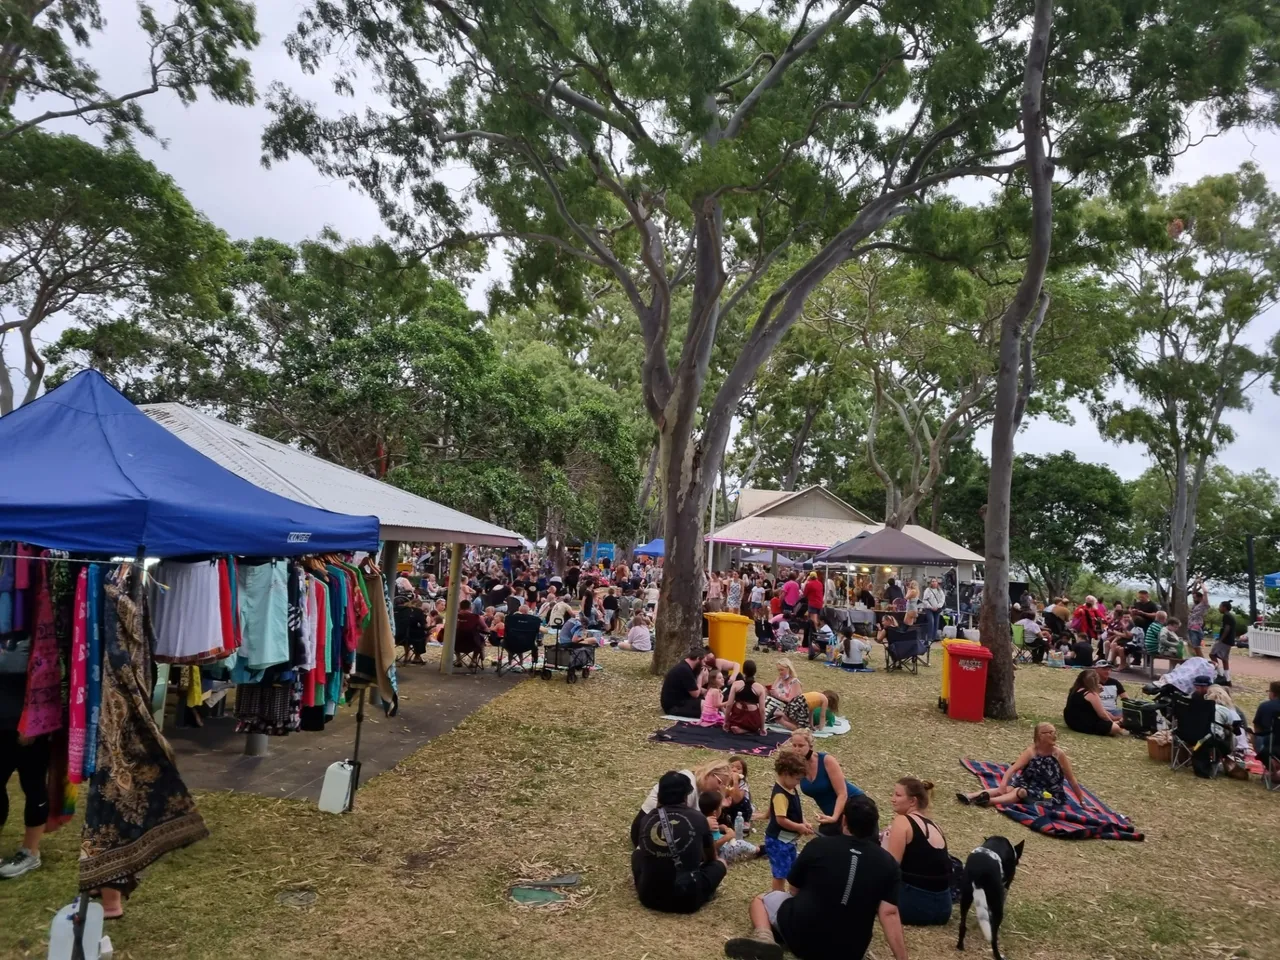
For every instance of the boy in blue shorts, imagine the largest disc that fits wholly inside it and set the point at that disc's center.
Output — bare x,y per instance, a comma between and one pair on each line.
786,817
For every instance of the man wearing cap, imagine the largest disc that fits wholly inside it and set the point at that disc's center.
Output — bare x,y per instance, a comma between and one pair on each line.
1111,690
675,866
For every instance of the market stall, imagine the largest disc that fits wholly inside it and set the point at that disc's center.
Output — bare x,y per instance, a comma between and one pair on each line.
90,488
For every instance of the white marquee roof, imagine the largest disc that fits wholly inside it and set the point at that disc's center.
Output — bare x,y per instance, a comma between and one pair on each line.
308,479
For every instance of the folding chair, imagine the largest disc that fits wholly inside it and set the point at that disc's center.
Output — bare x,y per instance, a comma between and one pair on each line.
523,630
902,649
1192,732
469,642
1020,652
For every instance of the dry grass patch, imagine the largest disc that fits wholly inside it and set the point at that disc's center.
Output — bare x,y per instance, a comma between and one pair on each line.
548,776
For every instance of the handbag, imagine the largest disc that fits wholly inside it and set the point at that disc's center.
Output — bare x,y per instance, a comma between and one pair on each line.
686,883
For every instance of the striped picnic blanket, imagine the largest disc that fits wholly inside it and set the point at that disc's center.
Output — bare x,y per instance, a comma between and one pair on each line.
1084,819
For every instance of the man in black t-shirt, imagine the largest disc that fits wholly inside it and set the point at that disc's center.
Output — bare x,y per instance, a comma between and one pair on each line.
675,866
681,690
1143,610
1264,722
497,594
839,884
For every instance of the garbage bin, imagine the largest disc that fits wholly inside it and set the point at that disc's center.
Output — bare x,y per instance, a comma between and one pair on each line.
727,635
968,681
945,693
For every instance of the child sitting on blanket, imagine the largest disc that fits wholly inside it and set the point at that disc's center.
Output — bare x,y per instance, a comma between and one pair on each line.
851,650
823,707
728,847
713,700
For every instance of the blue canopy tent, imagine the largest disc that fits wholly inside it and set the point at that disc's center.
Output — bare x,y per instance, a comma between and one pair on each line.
86,471
654,548
1271,581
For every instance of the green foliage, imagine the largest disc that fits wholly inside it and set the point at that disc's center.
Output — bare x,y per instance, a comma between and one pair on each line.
1066,516
1231,506
88,232
194,47
375,362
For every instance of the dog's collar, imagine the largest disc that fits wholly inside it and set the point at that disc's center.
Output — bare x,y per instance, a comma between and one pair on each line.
993,855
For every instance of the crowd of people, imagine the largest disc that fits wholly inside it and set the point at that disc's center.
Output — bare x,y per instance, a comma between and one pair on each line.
1121,635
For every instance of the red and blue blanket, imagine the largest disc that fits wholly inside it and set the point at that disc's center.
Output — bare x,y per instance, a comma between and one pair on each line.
1083,818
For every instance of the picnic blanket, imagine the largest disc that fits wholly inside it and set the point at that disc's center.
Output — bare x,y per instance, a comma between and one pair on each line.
837,728
693,734
1087,818
840,666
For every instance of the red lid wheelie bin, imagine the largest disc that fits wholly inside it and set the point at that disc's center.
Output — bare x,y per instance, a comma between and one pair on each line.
968,673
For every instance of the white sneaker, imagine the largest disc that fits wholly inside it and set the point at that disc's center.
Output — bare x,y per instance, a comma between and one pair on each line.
24,861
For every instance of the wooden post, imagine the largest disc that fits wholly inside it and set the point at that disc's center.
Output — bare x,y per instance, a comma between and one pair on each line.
451,609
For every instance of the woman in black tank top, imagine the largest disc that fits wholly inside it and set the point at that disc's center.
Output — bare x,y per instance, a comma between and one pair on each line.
743,712
924,898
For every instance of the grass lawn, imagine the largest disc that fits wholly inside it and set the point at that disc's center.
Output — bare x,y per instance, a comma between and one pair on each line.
548,776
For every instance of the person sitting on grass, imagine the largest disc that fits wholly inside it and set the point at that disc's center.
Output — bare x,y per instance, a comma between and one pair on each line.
1110,690
639,637
729,847
786,816
822,708
738,798
744,708
674,865
924,899
824,782
712,775
682,689
1037,776
840,885
824,640
713,700
1085,712
1265,721
1080,653
851,650
786,703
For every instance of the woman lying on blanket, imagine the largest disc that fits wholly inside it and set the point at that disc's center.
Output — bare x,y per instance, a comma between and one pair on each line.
785,703
1037,776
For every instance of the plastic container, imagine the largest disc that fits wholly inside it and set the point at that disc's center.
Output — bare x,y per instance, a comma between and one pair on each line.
945,694
968,670
727,635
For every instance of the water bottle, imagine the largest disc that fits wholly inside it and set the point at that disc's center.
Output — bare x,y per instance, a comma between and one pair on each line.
739,827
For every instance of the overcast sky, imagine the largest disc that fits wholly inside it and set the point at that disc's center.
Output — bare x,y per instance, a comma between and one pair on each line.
213,151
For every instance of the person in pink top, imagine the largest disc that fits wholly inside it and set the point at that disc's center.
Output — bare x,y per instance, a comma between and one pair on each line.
790,594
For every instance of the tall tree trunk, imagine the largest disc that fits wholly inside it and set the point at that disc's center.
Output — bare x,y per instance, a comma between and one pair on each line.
1181,536
686,491
797,448
1015,380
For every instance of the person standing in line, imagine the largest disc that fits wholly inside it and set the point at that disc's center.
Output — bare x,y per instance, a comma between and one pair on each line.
1195,620
933,601
715,592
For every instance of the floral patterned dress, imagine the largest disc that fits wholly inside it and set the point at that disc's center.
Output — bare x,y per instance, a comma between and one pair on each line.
1043,780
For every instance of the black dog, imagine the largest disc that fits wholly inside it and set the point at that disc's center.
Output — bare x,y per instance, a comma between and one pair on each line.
987,875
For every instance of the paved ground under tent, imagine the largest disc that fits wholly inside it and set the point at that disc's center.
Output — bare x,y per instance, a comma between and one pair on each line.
212,757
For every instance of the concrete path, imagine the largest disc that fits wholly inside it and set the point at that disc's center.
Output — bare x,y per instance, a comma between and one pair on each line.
212,757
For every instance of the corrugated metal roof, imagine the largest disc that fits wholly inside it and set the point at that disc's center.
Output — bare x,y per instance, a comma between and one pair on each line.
309,479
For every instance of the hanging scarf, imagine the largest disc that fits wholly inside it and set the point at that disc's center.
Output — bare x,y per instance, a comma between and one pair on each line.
42,705
78,697
138,808
93,667
376,653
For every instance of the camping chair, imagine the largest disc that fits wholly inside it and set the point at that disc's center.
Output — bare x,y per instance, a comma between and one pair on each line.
1193,732
902,649
1054,623
469,642
522,636
1020,652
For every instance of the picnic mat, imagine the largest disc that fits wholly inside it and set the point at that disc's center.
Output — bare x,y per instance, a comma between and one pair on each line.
838,727
693,734
840,666
1090,819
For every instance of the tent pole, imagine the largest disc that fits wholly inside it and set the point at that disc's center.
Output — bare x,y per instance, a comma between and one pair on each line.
451,609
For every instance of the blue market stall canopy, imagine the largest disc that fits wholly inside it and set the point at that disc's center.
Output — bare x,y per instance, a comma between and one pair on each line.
1271,581
654,548
84,470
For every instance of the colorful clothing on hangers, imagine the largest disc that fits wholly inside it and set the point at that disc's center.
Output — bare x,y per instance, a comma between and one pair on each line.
187,605
262,592
42,707
78,685
93,667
